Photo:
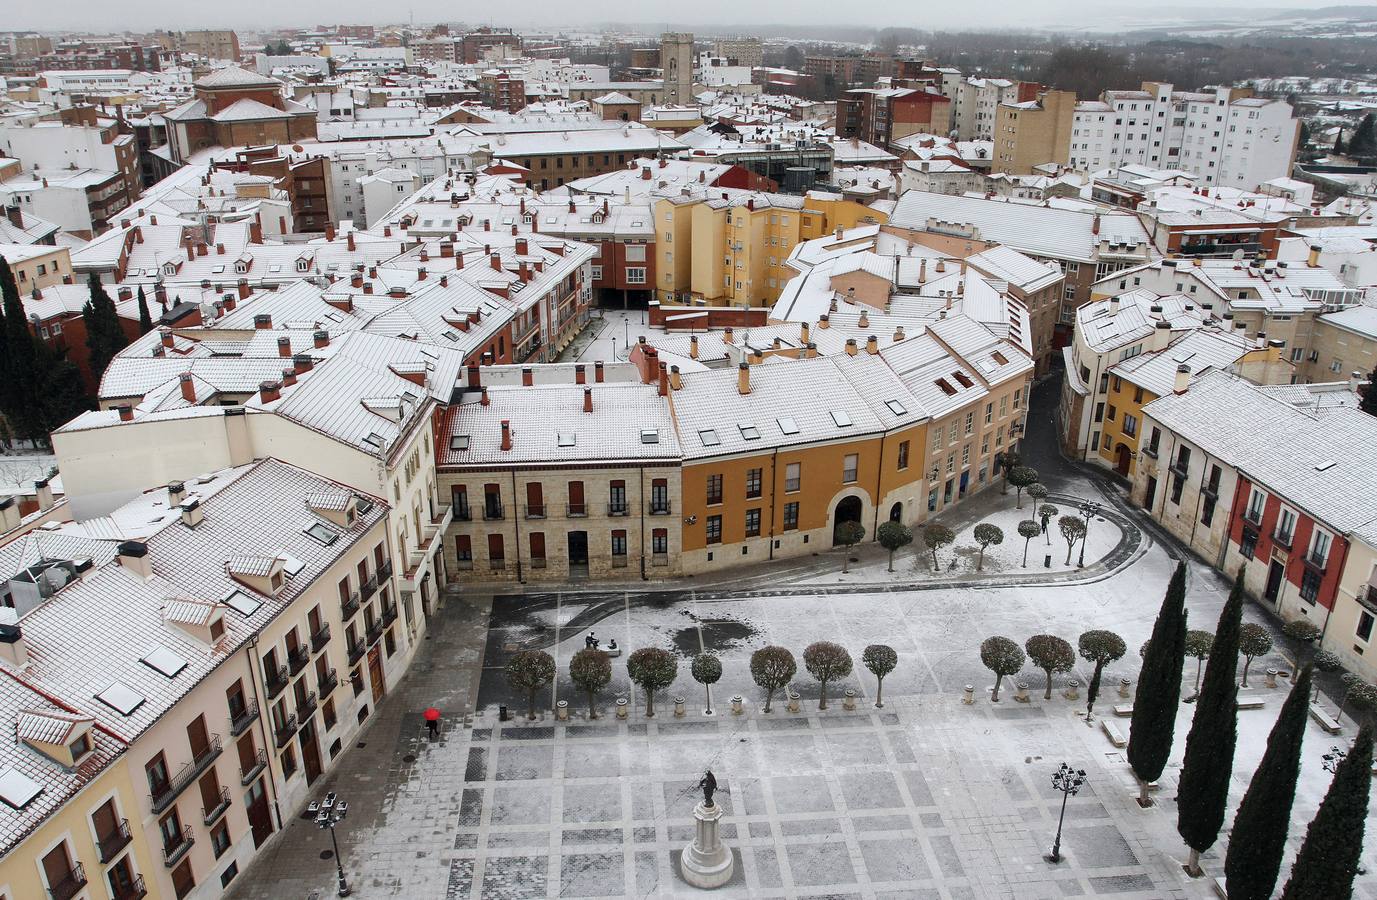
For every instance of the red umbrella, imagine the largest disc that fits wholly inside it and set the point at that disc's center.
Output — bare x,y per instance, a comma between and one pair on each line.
432,714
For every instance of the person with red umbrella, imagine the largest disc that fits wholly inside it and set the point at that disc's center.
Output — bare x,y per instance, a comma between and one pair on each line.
433,722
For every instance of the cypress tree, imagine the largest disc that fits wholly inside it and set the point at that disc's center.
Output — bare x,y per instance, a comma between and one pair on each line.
1328,860
145,318
1258,840
1369,402
1203,790
104,334
20,374
1159,689
1363,144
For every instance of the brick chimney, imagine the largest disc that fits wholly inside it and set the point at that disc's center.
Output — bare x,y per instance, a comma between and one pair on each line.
495,260
474,379
483,397
302,363
188,387
728,336
521,246
872,345
255,232
580,376
743,378
506,434
663,380
262,321
851,347
527,376
284,347
676,382
269,391
693,346
288,377
321,339
587,399
597,371
165,337
126,413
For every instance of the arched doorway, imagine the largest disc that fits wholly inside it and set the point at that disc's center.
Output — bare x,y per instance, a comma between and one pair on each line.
848,510
1122,457
896,512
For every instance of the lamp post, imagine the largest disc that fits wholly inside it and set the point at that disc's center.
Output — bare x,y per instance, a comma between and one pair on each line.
1089,510
1068,781
329,813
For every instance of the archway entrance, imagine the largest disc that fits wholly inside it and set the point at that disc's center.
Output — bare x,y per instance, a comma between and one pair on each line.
848,510
896,512
1122,457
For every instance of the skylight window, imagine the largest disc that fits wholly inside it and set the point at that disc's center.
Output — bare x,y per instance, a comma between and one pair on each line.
459,442
291,565
165,661
1324,466
709,437
748,432
453,336
841,418
999,357
18,789
787,425
945,386
896,407
242,603
962,379
121,698
567,438
373,439
322,533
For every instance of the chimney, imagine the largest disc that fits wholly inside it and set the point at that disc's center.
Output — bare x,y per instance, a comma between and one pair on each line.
872,345
1314,259
43,491
728,336
580,376
521,246
1114,303
597,371
269,391
824,322
693,346
192,513
321,339
176,493
230,302
676,382
663,380
898,334
350,239
1183,377
421,273
302,363
262,321
284,347
1095,224
243,289
803,335
15,215
133,555
188,387
743,378
645,173
165,334
483,397
587,399
474,380
255,232
13,648
495,260
446,250
850,346
506,434
126,413
329,232
9,515
1356,381
527,376
288,377
126,293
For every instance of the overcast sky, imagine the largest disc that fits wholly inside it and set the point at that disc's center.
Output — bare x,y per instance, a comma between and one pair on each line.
255,14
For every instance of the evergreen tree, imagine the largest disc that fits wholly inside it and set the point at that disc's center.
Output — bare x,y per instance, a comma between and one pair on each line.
1339,143
1363,144
145,318
19,373
1159,689
1328,860
1258,840
104,334
1369,402
1203,790
59,393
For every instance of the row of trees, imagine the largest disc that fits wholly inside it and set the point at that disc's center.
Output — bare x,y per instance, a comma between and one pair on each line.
1005,658
653,669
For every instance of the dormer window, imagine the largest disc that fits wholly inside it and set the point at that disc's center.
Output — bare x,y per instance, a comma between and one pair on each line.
241,267
303,265
80,747
528,218
169,269
217,629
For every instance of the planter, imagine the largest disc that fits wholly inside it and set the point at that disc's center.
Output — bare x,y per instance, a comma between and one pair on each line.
1021,692
792,703
1271,678
849,700
1123,687
738,705
678,707
968,694
1073,690
562,710
621,707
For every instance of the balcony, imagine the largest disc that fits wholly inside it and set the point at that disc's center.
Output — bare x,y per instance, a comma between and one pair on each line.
463,513
173,852
320,638
492,511
307,707
356,651
69,885
389,614
135,891
535,510
110,844
163,798
327,685
618,508
1253,515
283,733
246,717
351,606
369,587
373,633
1317,561
576,510
442,515
385,570
210,816
1284,538
297,659
659,507
260,762
276,682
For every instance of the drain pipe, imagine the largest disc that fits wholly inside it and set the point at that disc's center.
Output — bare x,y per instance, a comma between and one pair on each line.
263,716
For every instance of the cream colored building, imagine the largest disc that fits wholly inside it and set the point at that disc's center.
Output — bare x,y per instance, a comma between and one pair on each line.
37,265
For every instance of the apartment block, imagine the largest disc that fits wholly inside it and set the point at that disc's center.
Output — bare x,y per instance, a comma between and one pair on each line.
1033,133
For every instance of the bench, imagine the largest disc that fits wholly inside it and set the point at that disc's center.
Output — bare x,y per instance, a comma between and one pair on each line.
1220,888
1112,732
1123,710
1325,720
1251,702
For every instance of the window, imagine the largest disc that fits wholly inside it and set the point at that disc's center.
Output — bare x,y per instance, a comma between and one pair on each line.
1130,425
970,422
1099,412
753,522
792,477
1319,548
1364,631
1256,500
220,839
1154,439
1310,585
659,541
1112,412
989,412
753,479
714,492
903,455
849,465
635,274
1286,526
619,547
791,516
714,530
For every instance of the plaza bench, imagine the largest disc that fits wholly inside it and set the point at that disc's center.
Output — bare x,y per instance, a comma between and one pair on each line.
1112,732
1251,702
1123,710
1325,720
1220,888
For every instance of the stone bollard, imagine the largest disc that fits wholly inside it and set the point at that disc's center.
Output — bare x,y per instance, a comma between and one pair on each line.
621,708
562,710
792,705
1073,690
1271,678
1021,692
849,703
969,692
738,705
1123,688
678,707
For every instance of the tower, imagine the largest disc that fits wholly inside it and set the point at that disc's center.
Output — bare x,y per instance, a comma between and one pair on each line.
676,61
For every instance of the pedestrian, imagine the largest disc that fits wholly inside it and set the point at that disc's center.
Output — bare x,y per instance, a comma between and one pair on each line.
432,716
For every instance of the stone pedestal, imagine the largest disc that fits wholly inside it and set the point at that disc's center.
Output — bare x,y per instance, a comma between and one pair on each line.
707,862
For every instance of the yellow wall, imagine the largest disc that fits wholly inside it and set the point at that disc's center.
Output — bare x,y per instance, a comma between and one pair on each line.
1124,398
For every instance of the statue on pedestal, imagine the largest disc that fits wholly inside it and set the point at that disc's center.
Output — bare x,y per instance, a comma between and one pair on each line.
709,786
707,862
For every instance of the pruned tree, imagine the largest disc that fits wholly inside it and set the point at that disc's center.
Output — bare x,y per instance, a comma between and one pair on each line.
986,534
1207,766
1006,463
880,659
527,672
1072,530
1028,529
1051,654
707,671
652,669
1002,657
1046,513
1038,491
893,536
1022,477
1357,693
1101,648
1198,644
850,534
935,537
1330,856
590,670
826,661
1253,641
1159,689
1302,630
772,668
1258,840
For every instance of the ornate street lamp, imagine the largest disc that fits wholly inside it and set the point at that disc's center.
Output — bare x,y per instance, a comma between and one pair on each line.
1068,781
1089,510
329,813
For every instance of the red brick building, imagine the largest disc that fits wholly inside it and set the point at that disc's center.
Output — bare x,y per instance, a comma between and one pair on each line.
234,106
